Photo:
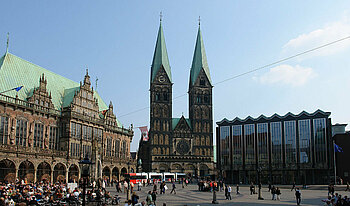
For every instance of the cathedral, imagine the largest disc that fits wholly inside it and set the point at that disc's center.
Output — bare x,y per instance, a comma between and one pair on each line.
183,145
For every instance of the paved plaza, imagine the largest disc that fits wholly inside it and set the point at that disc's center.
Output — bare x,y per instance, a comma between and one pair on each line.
191,196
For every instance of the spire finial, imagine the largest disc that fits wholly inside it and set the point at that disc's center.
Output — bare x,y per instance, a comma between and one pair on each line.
96,83
199,20
160,16
7,43
87,70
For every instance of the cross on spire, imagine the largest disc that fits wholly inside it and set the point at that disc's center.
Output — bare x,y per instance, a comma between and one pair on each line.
160,16
199,20
7,43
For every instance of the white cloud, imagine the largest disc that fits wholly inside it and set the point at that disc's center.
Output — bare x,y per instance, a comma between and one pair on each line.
287,75
328,33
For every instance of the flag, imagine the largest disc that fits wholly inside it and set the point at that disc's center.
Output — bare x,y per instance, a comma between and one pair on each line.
144,133
18,88
104,112
337,148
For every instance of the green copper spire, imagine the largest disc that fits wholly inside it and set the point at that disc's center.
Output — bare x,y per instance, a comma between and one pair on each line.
199,59
160,56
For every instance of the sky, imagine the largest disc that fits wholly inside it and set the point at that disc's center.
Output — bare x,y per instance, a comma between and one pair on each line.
115,40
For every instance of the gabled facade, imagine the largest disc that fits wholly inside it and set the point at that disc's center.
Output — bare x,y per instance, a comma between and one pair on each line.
52,123
179,144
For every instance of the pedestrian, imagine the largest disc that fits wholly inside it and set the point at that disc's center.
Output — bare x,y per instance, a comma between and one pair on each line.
139,186
251,188
347,187
173,189
273,193
329,189
298,195
129,203
278,193
154,197
226,192
332,190
293,186
134,198
149,198
269,187
229,192
237,189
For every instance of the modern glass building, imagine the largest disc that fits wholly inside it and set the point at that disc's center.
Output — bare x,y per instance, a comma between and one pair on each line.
287,148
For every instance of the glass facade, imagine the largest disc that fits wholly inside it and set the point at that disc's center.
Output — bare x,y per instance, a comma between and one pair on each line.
263,152
304,141
237,145
320,141
276,142
290,141
249,136
225,144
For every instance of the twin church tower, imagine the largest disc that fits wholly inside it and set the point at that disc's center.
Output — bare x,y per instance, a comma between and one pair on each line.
183,145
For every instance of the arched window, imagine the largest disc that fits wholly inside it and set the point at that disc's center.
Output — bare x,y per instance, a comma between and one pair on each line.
21,132
38,135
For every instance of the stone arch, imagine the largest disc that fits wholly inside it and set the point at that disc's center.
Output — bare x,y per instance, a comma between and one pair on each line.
115,173
190,170
159,151
167,151
43,172
176,168
166,141
203,170
73,173
154,151
163,168
59,173
7,171
26,171
123,171
106,173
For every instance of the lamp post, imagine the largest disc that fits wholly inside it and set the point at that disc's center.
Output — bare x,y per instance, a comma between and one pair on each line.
128,181
259,184
85,165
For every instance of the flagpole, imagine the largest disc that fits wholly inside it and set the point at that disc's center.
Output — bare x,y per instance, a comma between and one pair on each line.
335,165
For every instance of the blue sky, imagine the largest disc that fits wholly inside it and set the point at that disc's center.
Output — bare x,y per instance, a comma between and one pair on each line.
116,40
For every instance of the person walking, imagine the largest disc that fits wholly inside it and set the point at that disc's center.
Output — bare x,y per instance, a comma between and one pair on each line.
293,186
154,197
229,192
226,192
149,198
251,189
237,189
347,186
298,195
278,193
273,193
269,187
173,189
134,198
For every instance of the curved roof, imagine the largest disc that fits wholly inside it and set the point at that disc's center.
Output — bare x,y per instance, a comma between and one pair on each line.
289,114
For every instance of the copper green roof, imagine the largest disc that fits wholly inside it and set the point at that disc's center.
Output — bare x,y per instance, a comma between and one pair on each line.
199,61
175,121
160,56
15,71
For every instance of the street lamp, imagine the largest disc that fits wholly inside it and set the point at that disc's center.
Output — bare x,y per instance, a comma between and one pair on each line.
259,184
85,166
128,181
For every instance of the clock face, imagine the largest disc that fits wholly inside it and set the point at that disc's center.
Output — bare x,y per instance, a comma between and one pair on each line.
182,147
161,78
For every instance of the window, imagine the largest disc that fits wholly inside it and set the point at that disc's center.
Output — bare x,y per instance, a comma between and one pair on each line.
202,82
276,142
89,133
116,148
165,96
54,141
320,142
304,141
262,133
84,132
78,131
237,144
224,145
199,99
290,141
109,147
249,135
123,154
38,135
206,98
72,129
21,132
3,129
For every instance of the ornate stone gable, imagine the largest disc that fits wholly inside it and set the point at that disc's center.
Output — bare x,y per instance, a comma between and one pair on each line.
40,95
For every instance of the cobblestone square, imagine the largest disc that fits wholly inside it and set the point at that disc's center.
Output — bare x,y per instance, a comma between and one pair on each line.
191,196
